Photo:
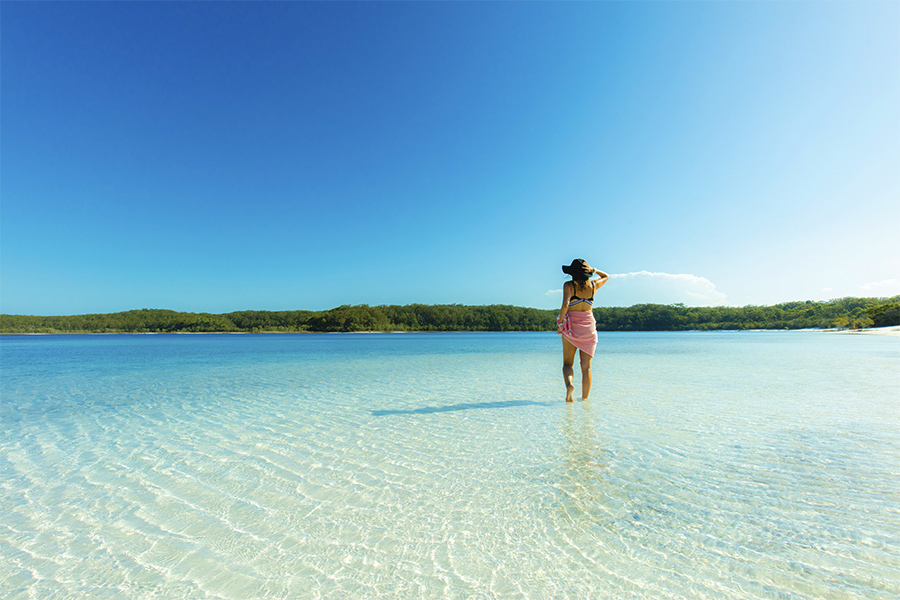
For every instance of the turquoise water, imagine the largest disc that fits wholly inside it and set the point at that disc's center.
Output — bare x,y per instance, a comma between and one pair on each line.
706,465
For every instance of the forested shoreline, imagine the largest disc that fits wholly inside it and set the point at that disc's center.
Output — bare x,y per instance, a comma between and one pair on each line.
841,313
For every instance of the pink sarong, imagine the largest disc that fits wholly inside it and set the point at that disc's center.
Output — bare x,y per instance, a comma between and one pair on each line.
580,328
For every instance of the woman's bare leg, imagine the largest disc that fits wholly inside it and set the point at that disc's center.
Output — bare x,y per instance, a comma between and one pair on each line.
568,372
585,374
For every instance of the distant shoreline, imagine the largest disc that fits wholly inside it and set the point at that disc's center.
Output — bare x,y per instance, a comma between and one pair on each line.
840,314
891,330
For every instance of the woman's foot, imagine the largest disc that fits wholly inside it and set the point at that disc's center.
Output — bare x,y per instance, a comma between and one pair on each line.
570,391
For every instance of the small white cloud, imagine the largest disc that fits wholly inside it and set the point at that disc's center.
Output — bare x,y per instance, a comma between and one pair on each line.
553,292
661,288
885,287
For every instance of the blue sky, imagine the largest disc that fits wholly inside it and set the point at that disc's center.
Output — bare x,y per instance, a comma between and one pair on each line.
233,155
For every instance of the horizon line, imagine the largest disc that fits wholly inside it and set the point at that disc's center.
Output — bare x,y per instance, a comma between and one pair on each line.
676,304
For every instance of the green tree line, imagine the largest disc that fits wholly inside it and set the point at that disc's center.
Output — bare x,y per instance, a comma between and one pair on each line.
844,312
841,313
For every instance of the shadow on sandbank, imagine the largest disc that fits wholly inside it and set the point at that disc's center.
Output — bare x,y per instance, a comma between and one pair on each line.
425,410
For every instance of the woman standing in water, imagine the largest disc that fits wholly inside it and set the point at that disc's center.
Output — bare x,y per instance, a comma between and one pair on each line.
576,323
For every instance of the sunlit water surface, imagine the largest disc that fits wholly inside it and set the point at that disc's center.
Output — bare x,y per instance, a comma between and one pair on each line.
705,465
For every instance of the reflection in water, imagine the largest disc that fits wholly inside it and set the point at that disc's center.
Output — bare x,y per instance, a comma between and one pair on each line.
583,461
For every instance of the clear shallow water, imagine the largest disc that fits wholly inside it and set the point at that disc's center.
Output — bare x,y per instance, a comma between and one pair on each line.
706,465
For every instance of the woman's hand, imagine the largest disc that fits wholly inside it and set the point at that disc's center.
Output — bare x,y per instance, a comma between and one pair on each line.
594,271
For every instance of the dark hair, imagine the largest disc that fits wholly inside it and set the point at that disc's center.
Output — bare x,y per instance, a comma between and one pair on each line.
580,284
580,275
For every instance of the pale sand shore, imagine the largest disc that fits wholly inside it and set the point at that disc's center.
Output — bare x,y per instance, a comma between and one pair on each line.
892,330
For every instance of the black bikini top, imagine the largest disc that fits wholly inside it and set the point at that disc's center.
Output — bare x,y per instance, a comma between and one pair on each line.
576,300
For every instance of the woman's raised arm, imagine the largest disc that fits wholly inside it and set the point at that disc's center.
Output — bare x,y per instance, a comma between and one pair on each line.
604,277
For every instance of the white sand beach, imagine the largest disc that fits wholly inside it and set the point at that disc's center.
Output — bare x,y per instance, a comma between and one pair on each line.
892,330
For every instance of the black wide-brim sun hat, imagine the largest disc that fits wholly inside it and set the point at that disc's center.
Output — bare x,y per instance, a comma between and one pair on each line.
576,269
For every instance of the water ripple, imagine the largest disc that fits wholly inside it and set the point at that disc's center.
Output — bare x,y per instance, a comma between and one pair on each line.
285,479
